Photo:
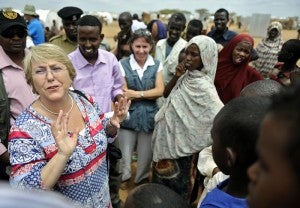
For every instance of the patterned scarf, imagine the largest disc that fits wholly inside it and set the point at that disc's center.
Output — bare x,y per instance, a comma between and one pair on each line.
268,50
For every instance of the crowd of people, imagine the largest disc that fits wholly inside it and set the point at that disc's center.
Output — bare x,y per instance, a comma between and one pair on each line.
199,108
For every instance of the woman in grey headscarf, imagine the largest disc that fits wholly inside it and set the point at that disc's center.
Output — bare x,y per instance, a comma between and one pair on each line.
183,123
268,49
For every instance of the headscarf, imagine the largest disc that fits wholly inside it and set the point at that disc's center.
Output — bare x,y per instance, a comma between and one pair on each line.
161,29
183,123
232,78
268,50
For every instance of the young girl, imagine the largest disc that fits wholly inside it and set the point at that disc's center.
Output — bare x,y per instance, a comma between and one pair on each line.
183,123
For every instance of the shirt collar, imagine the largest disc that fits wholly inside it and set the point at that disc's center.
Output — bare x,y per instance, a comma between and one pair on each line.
83,62
135,66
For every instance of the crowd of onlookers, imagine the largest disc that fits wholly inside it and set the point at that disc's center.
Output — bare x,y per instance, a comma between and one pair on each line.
205,113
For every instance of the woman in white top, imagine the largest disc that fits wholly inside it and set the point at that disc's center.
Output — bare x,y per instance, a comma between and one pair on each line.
143,85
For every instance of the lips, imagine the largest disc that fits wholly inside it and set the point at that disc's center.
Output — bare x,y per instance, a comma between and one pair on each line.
52,87
239,60
88,50
16,45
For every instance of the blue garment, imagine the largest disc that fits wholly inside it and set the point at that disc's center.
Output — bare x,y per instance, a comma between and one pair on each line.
223,39
162,30
219,199
36,31
141,112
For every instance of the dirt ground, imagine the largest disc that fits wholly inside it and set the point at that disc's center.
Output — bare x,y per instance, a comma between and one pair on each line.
111,30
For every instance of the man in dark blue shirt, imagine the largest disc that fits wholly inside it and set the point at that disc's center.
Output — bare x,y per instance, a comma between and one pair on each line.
221,34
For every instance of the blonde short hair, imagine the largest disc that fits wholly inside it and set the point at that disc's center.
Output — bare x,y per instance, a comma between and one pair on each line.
43,53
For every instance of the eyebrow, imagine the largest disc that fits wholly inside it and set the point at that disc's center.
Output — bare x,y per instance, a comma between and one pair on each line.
52,65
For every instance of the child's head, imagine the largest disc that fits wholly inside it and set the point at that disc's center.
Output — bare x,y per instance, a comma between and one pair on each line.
265,87
193,29
275,177
290,51
235,132
153,195
125,21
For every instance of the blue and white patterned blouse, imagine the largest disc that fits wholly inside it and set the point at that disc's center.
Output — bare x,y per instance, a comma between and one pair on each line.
85,177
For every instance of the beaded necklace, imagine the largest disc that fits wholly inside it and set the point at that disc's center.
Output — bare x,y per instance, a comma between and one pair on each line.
54,113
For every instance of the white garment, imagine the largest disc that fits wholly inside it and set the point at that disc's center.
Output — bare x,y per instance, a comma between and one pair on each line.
29,42
169,63
137,25
206,165
135,66
183,123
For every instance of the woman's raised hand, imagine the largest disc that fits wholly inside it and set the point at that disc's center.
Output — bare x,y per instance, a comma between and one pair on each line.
65,141
120,111
180,69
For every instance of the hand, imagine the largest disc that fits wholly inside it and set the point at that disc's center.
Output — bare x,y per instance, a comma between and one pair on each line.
120,111
65,142
215,171
130,94
180,69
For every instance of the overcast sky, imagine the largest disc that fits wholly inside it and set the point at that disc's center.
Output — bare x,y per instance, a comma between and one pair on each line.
277,8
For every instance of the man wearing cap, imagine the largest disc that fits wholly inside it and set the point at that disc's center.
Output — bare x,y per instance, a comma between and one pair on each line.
15,93
68,41
35,27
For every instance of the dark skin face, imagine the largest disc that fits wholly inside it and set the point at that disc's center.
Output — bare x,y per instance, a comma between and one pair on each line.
192,32
174,30
273,33
125,23
221,21
16,43
273,181
13,42
241,52
70,29
89,40
193,59
219,152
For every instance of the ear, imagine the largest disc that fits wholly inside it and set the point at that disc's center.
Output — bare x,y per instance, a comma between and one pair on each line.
101,36
230,157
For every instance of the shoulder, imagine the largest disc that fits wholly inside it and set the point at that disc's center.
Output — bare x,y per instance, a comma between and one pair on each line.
181,41
210,33
86,98
161,42
74,53
124,60
55,38
107,57
254,73
230,34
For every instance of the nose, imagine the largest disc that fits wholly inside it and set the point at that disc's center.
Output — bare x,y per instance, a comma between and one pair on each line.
87,43
73,27
188,57
49,74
